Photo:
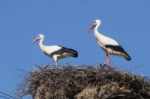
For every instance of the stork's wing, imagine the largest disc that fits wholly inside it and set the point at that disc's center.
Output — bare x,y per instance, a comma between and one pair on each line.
72,52
118,48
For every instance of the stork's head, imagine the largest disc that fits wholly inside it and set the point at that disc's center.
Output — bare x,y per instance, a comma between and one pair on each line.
96,22
39,37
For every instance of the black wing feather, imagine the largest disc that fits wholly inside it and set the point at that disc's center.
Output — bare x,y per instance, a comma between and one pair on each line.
73,52
118,48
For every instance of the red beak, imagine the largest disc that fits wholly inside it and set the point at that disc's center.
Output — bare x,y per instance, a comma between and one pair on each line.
92,27
34,41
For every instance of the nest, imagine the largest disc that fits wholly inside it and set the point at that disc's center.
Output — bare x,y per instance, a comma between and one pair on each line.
84,82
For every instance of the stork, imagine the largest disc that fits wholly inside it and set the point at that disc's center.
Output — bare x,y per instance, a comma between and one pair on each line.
54,51
108,45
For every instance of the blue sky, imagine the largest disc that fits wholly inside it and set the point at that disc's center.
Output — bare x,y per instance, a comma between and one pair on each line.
65,22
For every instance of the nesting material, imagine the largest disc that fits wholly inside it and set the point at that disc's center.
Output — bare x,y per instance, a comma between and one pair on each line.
84,82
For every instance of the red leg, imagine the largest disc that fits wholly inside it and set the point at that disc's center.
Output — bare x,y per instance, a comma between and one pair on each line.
108,59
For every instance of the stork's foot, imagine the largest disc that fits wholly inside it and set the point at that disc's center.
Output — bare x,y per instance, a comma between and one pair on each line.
54,66
105,66
57,67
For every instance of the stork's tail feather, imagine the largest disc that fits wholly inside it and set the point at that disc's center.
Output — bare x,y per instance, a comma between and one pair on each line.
73,53
127,57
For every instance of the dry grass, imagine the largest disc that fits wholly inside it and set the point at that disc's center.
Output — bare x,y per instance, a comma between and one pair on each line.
84,82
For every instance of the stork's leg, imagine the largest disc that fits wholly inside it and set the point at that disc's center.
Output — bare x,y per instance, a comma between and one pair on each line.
108,59
55,60
56,63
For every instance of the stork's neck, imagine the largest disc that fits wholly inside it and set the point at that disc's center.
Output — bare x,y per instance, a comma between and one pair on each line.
96,28
96,33
41,44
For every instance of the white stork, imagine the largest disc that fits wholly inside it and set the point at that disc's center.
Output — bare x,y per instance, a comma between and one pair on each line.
109,45
54,51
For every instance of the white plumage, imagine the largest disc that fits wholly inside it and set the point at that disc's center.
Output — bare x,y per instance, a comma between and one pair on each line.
50,49
54,51
109,45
